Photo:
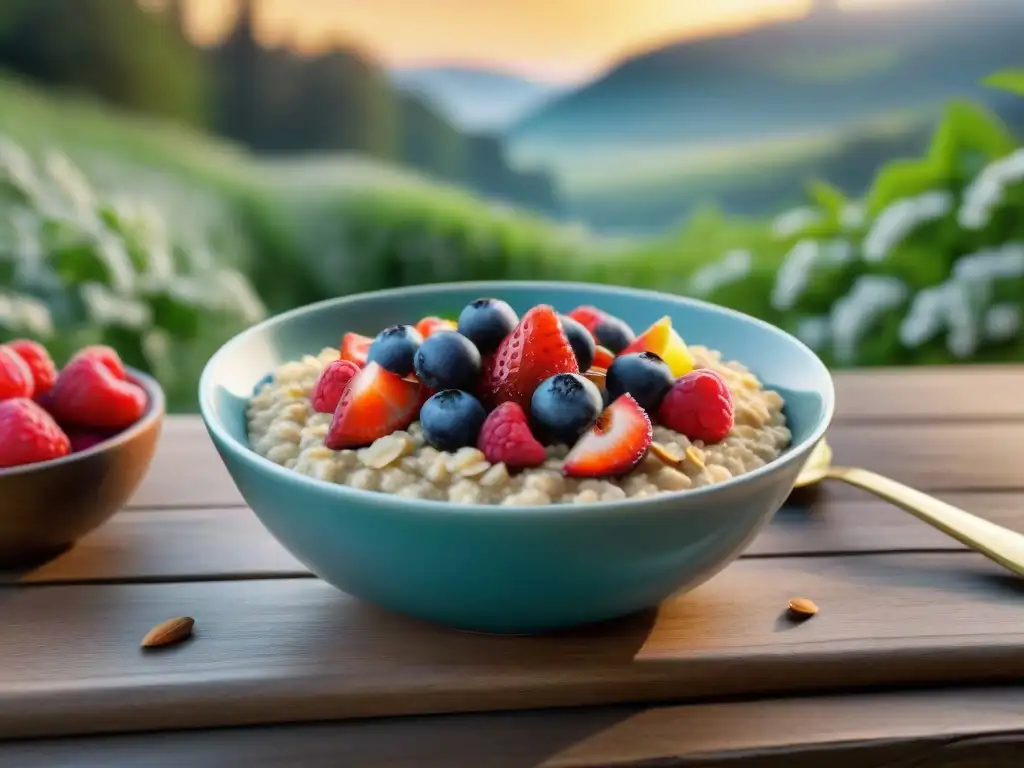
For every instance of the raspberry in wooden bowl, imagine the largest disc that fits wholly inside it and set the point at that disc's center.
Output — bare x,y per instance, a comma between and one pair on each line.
74,445
488,474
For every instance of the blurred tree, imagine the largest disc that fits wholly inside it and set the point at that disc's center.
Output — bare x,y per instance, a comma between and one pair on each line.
112,48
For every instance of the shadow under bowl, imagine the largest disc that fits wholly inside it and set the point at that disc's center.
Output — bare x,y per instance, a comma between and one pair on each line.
511,569
46,507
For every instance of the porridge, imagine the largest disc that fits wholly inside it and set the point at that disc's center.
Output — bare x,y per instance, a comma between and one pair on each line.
629,430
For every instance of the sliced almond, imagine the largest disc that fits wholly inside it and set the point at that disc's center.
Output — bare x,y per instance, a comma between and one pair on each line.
695,456
169,632
802,608
665,456
596,376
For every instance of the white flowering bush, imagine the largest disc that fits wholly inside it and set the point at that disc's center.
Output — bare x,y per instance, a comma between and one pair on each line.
77,268
927,268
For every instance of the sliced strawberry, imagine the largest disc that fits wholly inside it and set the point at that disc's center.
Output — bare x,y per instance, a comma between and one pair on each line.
588,317
603,357
355,348
375,403
506,437
331,384
536,349
614,445
432,324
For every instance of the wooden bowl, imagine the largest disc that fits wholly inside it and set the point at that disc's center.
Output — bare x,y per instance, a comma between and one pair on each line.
46,507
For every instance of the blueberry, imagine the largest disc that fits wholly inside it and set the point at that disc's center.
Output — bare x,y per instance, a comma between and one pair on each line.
644,375
581,341
451,419
447,360
486,322
564,405
394,349
614,334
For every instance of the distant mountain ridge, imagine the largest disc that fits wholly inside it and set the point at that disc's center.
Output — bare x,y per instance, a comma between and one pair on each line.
825,69
476,99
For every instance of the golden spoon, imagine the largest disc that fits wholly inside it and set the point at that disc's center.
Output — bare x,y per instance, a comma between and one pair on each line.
1004,546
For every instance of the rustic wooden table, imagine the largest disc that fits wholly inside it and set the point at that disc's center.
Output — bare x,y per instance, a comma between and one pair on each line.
916,657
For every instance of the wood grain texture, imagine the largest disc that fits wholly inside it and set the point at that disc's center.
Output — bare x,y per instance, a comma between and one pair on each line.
947,728
294,650
930,394
230,543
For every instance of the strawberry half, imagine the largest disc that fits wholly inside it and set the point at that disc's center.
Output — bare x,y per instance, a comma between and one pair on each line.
603,357
588,317
431,324
536,349
375,403
355,348
614,445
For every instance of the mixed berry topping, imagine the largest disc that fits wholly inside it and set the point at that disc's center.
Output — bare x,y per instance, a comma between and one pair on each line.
395,348
448,360
506,437
46,414
581,341
509,385
486,322
699,405
644,375
452,419
564,406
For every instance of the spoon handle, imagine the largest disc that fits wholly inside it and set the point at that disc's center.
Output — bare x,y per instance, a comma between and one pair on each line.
1004,546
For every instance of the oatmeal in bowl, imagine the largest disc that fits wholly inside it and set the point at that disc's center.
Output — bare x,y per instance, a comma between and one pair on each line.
498,409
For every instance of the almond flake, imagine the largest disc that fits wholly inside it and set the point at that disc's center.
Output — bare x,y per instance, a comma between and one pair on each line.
169,632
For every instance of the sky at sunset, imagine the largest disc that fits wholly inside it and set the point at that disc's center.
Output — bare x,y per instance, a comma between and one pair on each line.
557,40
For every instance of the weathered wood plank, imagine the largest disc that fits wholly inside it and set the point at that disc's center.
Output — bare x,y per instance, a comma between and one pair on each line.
194,544
934,728
984,392
297,650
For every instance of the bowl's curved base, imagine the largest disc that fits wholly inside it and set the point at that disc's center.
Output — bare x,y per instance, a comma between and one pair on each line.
28,557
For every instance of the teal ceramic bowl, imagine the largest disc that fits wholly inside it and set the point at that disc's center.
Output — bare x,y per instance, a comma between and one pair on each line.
511,570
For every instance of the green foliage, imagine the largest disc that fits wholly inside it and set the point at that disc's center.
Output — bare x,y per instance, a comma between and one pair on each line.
110,48
76,268
1011,80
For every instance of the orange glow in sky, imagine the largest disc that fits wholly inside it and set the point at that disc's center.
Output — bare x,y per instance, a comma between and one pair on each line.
545,39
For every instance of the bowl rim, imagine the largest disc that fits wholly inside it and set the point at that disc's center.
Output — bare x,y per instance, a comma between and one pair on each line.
155,408
669,499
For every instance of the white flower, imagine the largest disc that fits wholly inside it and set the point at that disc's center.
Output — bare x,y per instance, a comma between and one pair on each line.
852,216
795,273
1005,262
732,267
815,332
793,222
853,315
900,219
1002,322
958,306
988,189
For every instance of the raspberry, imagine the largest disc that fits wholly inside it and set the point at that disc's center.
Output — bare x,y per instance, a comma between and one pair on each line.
331,385
699,405
38,360
505,436
106,355
89,394
15,375
30,434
